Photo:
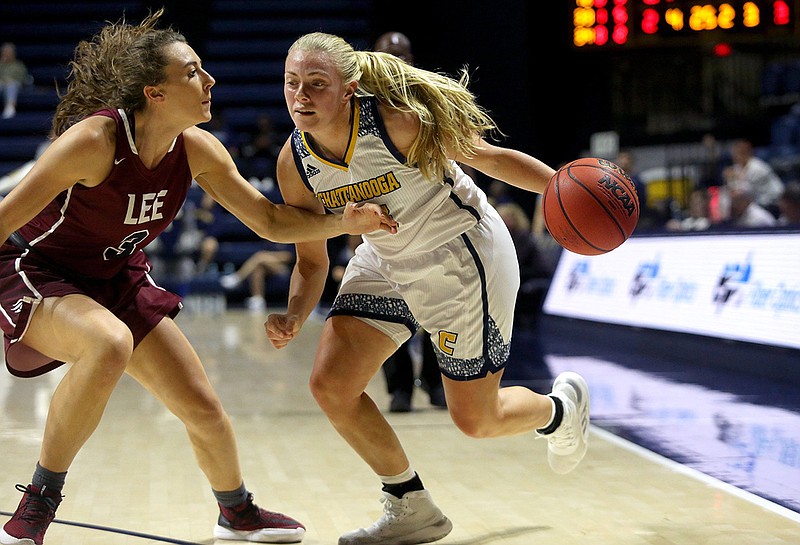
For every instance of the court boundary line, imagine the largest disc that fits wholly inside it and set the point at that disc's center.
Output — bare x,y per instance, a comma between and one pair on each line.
116,531
697,475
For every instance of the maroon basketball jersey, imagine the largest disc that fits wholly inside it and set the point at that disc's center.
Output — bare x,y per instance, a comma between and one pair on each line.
93,231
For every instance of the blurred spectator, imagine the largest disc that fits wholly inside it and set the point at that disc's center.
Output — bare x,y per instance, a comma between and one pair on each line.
205,212
649,217
531,262
258,268
215,224
626,162
755,176
260,152
719,204
715,160
698,216
789,204
220,128
399,373
205,215
340,250
346,250
13,75
534,270
745,211
499,193
397,44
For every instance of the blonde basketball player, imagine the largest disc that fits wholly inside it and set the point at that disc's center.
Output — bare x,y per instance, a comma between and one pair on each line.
371,128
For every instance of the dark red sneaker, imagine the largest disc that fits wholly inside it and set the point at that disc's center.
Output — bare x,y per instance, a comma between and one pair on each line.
248,522
35,512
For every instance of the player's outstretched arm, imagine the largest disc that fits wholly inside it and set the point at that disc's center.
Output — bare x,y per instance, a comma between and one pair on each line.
511,166
215,171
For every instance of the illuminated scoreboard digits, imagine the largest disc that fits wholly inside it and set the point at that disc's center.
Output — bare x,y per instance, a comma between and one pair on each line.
599,23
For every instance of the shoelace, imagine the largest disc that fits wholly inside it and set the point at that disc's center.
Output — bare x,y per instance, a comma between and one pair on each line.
248,513
36,506
392,509
564,439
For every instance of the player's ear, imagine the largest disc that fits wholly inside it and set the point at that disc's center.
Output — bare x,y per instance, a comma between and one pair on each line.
350,90
152,92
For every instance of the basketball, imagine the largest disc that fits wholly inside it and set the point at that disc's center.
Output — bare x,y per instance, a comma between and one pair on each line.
590,206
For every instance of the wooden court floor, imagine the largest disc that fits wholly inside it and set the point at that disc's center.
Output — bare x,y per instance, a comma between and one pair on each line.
136,482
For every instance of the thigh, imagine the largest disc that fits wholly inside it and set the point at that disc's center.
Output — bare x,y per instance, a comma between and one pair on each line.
475,398
350,353
64,328
70,312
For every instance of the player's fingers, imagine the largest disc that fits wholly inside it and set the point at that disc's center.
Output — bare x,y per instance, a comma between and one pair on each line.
388,223
276,327
389,227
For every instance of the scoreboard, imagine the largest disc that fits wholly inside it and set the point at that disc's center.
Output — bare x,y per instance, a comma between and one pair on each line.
607,24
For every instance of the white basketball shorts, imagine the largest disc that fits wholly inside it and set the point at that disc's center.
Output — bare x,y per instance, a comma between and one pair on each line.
463,293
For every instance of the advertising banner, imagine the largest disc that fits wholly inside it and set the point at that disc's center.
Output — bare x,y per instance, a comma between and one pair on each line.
736,286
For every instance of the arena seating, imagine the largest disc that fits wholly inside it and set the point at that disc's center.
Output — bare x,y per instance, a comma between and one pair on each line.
45,34
247,44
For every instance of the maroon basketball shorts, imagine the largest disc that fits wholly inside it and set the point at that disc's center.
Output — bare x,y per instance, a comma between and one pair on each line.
131,295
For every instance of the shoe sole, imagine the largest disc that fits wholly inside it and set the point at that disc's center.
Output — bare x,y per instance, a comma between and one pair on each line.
7,539
443,525
273,535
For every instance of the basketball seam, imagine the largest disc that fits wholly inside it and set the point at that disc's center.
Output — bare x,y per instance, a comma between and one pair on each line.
599,201
612,183
569,220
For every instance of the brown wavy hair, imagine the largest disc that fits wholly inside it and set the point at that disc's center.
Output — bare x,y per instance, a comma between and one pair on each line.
111,69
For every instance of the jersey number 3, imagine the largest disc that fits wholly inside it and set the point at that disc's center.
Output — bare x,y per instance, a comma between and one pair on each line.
126,247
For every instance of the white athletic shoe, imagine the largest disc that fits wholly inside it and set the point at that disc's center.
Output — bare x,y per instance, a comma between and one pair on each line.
567,445
255,303
405,521
229,281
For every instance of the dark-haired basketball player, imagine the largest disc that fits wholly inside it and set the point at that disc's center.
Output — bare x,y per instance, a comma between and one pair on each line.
75,285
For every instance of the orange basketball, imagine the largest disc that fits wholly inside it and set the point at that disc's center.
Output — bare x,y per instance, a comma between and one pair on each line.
590,206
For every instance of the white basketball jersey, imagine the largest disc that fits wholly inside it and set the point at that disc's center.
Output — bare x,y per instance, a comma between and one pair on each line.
429,212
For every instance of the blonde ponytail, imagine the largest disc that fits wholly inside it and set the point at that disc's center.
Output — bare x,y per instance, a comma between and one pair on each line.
451,120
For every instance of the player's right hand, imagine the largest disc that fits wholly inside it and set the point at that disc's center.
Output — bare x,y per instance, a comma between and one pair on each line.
281,328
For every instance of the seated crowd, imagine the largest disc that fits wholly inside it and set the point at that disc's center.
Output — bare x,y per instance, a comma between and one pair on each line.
744,193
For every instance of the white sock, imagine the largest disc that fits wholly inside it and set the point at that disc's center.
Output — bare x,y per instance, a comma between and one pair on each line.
406,475
552,414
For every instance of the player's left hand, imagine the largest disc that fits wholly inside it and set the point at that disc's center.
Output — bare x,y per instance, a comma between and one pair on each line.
360,218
